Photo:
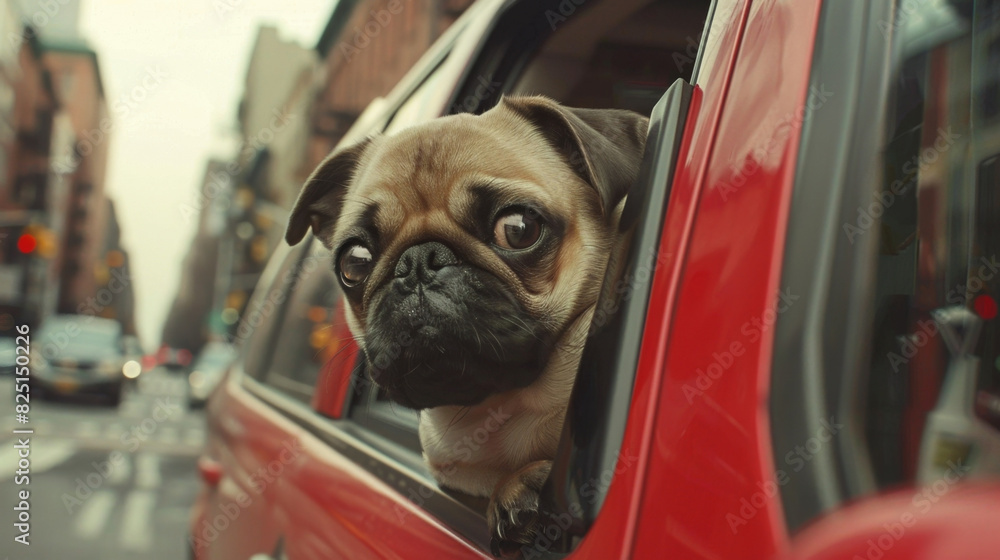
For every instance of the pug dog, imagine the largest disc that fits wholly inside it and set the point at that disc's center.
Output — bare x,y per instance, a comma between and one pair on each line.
471,251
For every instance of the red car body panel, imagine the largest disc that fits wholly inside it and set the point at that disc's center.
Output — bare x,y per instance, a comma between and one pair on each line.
614,531
323,504
237,514
343,511
712,443
953,523
335,379
698,477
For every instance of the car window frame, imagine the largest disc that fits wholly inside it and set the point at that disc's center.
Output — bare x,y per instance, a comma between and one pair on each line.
374,441
284,260
379,446
822,344
680,95
450,55
575,464
279,378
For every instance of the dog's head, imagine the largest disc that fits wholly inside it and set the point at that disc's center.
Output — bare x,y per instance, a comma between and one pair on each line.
467,247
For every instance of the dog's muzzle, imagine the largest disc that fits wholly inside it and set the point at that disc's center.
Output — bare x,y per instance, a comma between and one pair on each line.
442,331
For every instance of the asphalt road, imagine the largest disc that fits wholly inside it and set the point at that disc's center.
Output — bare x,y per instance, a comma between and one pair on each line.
105,483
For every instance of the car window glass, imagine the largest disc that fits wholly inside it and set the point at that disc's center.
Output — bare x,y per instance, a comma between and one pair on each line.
621,56
425,102
528,53
257,325
933,391
306,340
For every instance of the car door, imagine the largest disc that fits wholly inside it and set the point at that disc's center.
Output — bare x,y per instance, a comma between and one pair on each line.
319,464
249,447
884,410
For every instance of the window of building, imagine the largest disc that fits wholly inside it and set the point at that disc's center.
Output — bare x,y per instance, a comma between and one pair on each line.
258,325
933,389
518,56
893,241
306,340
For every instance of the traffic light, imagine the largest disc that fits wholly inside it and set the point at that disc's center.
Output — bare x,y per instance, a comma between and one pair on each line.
26,243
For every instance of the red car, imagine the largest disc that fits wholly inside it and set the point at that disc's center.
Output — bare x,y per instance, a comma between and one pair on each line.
801,359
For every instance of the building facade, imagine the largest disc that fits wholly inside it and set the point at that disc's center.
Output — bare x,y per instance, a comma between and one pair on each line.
60,248
297,105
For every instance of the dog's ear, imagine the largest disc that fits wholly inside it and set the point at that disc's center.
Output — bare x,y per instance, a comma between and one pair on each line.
603,146
322,197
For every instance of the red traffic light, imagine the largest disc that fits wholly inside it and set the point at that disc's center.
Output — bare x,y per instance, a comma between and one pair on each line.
985,306
27,243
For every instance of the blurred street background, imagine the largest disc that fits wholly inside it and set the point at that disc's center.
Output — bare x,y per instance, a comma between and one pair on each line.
104,485
149,155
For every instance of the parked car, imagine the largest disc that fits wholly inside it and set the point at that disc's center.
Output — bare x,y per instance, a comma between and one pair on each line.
173,359
134,358
804,363
78,356
207,371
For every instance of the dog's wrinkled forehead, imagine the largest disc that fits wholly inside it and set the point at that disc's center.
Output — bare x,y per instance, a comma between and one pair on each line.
585,158
426,177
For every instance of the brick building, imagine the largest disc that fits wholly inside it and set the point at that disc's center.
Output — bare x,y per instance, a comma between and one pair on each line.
76,79
297,105
32,192
59,239
365,50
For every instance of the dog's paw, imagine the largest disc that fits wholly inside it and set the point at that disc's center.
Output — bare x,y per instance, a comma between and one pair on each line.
513,511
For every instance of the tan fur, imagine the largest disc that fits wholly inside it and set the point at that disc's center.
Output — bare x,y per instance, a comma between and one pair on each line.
420,178
578,165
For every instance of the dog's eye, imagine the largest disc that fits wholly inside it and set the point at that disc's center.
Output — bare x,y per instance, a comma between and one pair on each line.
355,265
518,229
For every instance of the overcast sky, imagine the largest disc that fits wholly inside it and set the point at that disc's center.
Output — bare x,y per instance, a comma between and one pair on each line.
198,52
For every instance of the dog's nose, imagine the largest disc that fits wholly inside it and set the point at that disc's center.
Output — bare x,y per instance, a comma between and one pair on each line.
424,260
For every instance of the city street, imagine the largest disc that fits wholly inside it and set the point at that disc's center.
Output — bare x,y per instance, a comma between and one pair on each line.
106,483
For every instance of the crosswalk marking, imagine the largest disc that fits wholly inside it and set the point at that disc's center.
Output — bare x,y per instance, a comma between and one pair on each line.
88,429
147,471
113,431
168,434
120,473
94,514
194,437
136,529
44,455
